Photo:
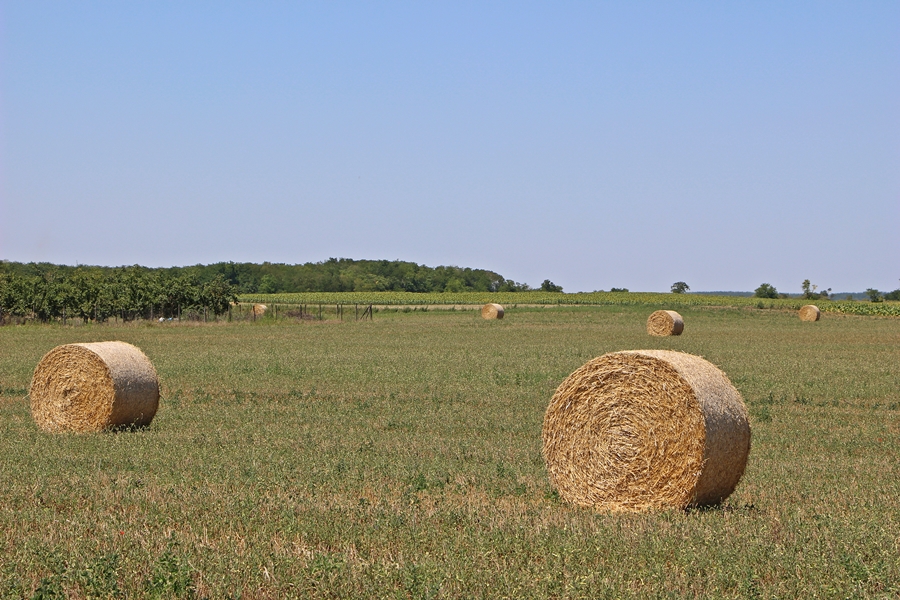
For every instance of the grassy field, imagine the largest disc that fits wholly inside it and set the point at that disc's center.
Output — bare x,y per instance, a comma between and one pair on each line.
401,458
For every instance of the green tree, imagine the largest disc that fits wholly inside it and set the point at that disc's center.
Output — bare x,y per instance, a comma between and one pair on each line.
874,295
267,285
766,291
85,296
13,295
680,287
455,284
549,286
217,295
810,293
808,289
509,285
179,291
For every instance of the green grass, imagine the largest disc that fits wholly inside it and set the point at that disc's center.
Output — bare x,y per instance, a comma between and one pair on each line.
401,458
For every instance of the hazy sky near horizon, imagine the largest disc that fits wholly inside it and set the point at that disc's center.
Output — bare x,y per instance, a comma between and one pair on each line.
597,144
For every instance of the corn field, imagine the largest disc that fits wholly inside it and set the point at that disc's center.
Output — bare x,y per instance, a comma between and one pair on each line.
887,309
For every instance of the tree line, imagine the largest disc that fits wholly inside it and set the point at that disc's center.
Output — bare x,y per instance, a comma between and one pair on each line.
348,275
332,275
46,291
50,292
811,292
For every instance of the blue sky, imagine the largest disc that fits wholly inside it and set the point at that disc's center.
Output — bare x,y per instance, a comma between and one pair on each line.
597,144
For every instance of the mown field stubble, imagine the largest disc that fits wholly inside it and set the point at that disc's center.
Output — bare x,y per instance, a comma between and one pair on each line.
401,458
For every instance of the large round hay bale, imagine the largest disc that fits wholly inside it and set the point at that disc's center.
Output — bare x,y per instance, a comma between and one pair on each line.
665,322
810,312
646,429
91,387
259,309
491,311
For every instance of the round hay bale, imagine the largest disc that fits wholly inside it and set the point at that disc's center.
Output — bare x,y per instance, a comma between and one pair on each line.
810,312
491,311
91,387
665,322
646,429
259,309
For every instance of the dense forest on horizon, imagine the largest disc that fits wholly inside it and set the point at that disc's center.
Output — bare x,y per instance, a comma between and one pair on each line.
332,275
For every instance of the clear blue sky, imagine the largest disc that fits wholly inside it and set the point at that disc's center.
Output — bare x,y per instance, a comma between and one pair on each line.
597,144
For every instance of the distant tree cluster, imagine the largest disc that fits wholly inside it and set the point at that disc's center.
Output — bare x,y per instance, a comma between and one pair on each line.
876,296
333,275
348,275
48,292
810,293
549,286
766,291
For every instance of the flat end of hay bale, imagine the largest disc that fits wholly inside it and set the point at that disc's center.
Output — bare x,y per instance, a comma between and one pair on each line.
491,311
665,323
810,312
92,387
644,430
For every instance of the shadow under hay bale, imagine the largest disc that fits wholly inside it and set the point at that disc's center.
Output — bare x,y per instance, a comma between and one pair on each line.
665,322
491,311
810,312
92,387
646,429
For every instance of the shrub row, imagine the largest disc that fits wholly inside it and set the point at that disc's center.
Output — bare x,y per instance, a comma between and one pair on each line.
94,294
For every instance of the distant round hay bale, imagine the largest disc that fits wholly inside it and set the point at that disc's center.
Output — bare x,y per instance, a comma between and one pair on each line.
665,322
810,312
646,429
491,311
259,309
91,387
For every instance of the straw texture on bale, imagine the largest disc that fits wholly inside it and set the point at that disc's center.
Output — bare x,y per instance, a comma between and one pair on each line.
644,430
259,309
492,311
91,387
810,312
665,322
